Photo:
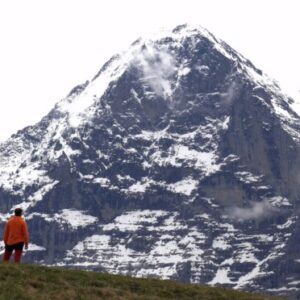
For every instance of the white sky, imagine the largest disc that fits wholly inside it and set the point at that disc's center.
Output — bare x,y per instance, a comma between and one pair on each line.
49,46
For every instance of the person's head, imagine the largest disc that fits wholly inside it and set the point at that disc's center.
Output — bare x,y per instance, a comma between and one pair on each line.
18,212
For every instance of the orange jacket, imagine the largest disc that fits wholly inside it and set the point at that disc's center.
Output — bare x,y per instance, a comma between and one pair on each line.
16,231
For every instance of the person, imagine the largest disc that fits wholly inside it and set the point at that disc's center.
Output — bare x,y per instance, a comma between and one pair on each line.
15,237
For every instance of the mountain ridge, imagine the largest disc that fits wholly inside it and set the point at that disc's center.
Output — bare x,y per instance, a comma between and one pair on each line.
37,282
179,159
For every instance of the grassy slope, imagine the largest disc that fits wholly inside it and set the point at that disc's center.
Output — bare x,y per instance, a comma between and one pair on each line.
36,282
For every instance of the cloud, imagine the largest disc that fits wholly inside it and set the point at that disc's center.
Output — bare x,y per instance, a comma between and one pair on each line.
230,94
158,66
256,211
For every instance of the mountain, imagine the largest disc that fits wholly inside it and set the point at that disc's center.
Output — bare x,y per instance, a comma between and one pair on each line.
178,160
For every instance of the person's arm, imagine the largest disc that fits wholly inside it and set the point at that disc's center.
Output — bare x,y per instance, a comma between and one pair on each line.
6,233
26,235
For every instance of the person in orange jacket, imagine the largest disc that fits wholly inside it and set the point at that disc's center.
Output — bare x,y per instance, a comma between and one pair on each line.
15,236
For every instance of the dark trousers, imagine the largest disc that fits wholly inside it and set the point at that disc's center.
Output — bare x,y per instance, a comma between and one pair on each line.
18,248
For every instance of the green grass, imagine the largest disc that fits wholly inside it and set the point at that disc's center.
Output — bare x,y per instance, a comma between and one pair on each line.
38,282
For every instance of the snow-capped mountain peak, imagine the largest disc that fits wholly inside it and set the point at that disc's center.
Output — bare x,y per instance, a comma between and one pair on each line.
179,159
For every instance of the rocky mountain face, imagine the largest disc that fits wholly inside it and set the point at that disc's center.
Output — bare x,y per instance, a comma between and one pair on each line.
179,159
